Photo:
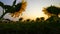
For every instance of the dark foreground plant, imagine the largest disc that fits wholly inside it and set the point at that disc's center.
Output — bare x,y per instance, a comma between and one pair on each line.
33,27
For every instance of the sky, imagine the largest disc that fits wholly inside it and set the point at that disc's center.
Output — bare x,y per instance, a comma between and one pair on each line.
33,9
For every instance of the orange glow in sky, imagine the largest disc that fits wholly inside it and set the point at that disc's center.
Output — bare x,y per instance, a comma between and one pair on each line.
34,8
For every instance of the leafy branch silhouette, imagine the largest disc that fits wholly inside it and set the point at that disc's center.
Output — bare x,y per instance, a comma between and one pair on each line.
14,9
52,10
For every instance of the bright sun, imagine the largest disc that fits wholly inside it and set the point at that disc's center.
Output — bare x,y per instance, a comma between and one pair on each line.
33,10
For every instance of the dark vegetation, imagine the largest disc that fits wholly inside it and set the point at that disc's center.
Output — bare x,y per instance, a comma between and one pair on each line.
38,26
10,9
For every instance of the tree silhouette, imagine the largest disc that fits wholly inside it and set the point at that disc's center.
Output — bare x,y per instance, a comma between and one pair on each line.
14,9
2,5
28,20
42,19
37,19
21,19
53,10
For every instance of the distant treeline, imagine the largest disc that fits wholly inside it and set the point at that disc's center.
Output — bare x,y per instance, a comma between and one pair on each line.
39,26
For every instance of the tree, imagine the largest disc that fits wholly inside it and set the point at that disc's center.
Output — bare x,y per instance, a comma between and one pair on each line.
53,10
42,19
37,19
21,19
20,7
14,9
2,5
28,20
53,19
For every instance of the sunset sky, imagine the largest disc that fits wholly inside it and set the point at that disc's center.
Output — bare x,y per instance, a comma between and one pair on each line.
33,9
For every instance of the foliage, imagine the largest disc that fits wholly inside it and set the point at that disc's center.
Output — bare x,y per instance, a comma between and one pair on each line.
12,9
39,26
52,10
49,26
